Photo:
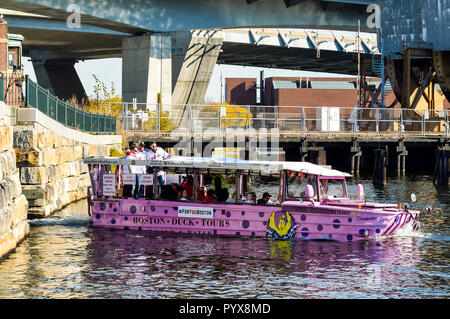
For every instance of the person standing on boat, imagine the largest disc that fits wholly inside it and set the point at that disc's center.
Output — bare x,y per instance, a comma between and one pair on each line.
158,153
139,169
128,169
220,186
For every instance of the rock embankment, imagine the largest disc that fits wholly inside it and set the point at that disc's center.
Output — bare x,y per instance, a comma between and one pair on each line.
13,204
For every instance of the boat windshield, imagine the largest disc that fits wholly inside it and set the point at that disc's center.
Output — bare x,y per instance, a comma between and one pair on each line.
297,182
331,188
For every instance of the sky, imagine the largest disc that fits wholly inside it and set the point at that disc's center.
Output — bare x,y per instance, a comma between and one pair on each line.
110,70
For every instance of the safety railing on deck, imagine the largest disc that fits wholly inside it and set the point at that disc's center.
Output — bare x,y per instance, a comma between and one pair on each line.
68,115
2,91
221,120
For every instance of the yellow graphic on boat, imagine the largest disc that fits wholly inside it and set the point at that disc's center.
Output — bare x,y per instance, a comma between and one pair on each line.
284,224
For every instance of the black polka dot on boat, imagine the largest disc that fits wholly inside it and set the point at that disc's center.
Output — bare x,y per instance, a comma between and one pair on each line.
126,218
126,228
166,211
264,223
303,217
113,221
228,214
253,234
102,206
238,234
261,214
319,227
215,232
98,216
350,219
349,237
305,231
245,224
242,213
133,209
336,223
115,210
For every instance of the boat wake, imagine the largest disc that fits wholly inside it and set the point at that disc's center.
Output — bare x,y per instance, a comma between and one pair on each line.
408,231
65,221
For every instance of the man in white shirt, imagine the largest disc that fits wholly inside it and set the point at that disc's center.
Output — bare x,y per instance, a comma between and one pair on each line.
157,153
139,170
129,169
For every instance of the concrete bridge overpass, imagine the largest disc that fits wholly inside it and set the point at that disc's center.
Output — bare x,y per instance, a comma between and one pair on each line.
49,41
415,36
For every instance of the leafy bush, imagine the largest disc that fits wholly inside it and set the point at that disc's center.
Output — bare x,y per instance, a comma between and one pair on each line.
236,116
113,152
165,123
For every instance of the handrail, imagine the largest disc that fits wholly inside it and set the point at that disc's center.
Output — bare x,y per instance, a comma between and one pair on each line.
209,120
2,90
66,114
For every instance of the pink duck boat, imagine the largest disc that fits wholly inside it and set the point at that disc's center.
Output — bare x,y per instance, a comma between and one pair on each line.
313,204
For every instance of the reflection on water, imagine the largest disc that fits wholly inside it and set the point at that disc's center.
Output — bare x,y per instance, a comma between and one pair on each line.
65,258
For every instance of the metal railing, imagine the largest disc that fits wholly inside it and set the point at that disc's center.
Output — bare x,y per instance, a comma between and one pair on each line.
2,91
68,115
222,120
11,89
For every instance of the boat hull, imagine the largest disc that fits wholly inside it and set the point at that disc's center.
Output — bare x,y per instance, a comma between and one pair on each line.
307,221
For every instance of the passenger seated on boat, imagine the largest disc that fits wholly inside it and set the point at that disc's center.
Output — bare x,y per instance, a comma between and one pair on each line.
265,200
188,186
220,186
232,199
323,188
279,200
171,192
184,196
205,195
210,196
249,199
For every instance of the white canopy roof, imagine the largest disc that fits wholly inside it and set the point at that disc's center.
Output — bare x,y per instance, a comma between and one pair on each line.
222,164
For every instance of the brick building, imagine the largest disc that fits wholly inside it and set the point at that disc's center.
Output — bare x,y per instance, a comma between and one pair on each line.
11,78
304,91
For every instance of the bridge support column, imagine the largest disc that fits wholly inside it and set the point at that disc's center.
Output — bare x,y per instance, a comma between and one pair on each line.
57,75
194,56
441,169
355,159
401,158
147,70
380,166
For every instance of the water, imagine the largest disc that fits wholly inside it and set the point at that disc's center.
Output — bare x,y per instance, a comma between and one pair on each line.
64,257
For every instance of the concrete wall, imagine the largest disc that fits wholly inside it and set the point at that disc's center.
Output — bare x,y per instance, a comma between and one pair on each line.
13,204
49,159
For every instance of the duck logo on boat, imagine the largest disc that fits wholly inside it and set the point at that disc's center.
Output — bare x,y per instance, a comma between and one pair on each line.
281,226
